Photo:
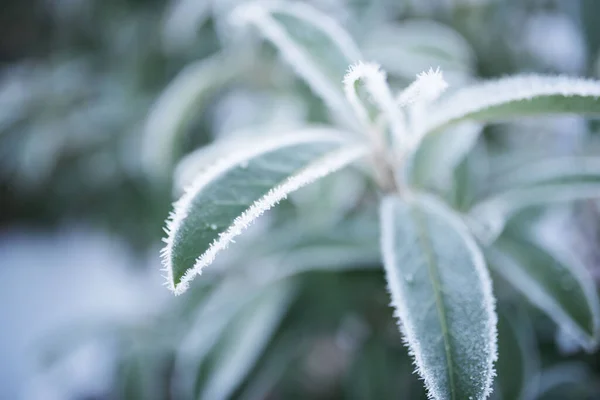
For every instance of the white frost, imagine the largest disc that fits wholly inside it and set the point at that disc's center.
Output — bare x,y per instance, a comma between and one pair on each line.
428,86
375,81
260,15
481,96
411,338
319,169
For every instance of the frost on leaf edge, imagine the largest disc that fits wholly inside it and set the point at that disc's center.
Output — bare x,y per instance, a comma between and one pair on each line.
492,93
331,162
401,312
261,15
546,302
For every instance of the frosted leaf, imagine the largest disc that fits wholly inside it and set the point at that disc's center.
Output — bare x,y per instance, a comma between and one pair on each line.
231,195
516,96
316,47
376,85
176,106
428,86
493,213
442,294
561,288
435,159
404,49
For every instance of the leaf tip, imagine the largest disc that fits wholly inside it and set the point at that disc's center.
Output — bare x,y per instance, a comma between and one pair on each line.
428,86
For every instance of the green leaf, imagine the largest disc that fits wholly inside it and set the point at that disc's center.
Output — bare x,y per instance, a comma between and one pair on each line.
549,171
518,356
209,320
245,340
439,153
230,195
406,49
318,49
201,159
565,292
182,22
442,293
517,96
182,100
489,217
572,380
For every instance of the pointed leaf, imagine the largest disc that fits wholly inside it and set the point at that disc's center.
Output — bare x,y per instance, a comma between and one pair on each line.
442,293
230,195
314,44
565,292
517,96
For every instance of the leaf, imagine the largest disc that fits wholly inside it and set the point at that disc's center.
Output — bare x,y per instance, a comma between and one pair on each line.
270,370
229,196
180,27
518,357
489,217
571,379
314,44
177,105
203,158
246,338
378,373
375,81
210,319
554,170
565,292
516,96
442,293
407,48
439,153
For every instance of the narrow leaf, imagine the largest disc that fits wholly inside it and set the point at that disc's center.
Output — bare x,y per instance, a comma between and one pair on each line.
210,319
550,171
442,293
407,48
561,381
201,159
229,196
175,108
564,291
246,339
518,356
489,217
518,96
439,153
375,81
314,44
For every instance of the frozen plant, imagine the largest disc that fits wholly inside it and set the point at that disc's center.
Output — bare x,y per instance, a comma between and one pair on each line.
436,257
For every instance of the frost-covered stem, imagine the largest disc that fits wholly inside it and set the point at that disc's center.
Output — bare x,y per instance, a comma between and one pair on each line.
375,82
383,161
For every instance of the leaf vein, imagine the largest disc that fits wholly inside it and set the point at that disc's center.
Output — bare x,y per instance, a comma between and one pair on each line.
435,281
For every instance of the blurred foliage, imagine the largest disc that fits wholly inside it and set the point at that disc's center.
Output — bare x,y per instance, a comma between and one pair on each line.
77,82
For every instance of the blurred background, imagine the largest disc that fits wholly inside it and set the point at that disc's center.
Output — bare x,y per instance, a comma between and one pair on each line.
102,104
